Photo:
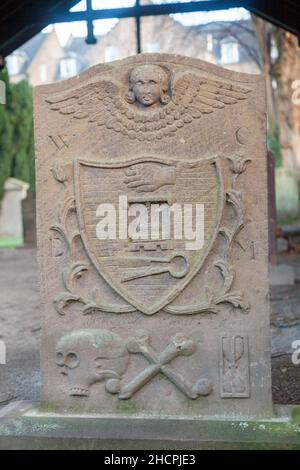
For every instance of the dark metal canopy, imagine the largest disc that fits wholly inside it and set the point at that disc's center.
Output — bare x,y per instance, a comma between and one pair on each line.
21,20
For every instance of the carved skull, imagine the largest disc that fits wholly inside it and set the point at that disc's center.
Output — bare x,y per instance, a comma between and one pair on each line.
90,356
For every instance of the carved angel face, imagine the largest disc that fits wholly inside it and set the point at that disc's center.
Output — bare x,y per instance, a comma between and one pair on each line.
90,356
149,85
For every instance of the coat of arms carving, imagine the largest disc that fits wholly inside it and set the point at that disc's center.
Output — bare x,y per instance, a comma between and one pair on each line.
150,269
157,103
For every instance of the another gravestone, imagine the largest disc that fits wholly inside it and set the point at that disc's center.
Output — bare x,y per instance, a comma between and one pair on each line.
172,322
11,221
29,219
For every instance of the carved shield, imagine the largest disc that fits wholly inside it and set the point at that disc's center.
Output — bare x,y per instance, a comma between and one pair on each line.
148,265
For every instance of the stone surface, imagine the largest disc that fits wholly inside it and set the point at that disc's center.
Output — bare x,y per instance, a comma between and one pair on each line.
143,326
24,427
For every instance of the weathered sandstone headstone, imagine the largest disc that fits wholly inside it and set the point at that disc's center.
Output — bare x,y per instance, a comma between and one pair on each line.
29,219
154,318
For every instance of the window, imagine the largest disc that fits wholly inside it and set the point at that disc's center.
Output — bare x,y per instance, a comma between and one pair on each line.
230,53
68,67
43,72
209,42
15,63
153,47
111,53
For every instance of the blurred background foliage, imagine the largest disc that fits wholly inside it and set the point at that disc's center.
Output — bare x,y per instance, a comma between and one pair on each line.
274,145
16,131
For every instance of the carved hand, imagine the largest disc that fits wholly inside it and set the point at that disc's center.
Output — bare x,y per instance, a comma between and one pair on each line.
149,177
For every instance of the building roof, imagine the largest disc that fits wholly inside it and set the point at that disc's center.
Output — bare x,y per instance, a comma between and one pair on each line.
33,45
241,31
79,45
76,47
30,48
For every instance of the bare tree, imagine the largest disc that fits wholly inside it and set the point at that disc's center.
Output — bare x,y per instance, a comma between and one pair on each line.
283,71
264,32
286,71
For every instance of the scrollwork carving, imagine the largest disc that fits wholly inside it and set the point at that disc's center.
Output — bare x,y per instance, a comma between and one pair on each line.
230,232
75,271
59,171
209,305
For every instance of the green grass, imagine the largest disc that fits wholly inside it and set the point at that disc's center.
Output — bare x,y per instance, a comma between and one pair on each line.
11,242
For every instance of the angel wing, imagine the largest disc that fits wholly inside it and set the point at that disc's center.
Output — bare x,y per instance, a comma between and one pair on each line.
88,102
196,96
192,96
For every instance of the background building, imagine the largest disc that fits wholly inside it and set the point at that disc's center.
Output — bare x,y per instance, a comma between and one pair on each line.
230,44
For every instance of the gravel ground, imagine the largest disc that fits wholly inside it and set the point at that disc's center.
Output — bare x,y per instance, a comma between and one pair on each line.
20,327
285,381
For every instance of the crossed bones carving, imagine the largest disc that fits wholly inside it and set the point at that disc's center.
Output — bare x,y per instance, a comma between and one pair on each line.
159,363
